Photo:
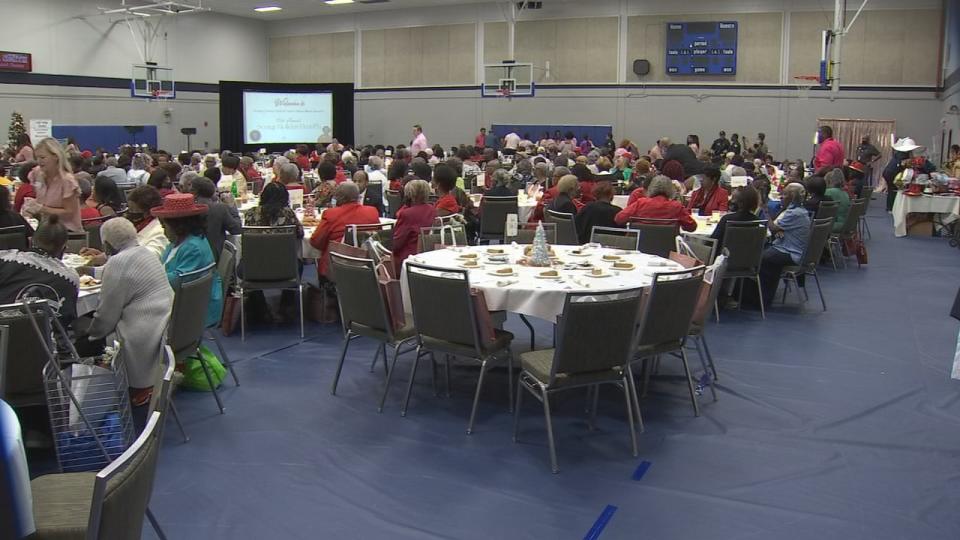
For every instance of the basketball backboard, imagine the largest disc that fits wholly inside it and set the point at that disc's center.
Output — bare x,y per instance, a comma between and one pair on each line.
152,82
507,79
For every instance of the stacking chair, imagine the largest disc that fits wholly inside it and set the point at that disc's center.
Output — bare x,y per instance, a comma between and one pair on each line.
493,216
849,231
657,236
394,201
270,261
109,504
827,209
356,235
93,234
527,231
712,283
442,235
566,228
14,237
596,338
867,195
445,316
611,237
26,353
744,241
820,232
188,319
76,240
365,312
665,324
227,269
703,248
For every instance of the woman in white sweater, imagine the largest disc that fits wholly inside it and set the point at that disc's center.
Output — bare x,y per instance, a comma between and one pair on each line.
135,304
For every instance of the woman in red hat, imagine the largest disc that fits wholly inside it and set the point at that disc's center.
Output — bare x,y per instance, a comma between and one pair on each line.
184,222
855,174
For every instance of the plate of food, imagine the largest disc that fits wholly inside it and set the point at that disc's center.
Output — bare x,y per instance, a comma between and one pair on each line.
504,272
548,274
74,261
611,258
89,282
496,251
468,257
471,264
621,265
598,273
578,253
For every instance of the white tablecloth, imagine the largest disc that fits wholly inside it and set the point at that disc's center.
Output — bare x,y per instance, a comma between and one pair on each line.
947,206
543,298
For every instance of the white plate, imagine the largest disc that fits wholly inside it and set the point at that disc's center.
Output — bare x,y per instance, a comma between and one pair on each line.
599,276
465,267
491,261
503,275
572,254
538,276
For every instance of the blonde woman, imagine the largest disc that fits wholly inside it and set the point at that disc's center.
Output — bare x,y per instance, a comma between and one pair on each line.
58,192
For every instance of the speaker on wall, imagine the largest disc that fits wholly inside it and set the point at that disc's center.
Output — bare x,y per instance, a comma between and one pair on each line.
641,67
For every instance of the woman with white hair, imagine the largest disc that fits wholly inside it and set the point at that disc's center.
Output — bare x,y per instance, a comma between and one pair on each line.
135,304
658,204
139,173
501,184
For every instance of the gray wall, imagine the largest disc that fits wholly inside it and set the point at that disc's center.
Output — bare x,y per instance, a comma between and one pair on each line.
454,116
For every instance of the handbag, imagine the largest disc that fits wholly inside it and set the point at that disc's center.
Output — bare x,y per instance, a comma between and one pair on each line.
955,312
861,252
231,314
320,303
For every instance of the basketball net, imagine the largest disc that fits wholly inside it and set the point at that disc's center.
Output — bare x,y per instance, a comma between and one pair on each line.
505,92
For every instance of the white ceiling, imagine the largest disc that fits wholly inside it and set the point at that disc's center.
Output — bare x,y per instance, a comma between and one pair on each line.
314,8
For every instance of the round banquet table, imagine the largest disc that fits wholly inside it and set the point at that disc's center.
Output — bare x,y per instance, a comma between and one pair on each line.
526,294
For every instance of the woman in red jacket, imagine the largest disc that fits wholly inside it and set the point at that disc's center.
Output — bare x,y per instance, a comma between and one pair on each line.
418,213
710,197
658,204
334,221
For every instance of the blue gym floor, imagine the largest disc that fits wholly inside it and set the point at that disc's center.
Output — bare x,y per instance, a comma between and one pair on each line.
843,424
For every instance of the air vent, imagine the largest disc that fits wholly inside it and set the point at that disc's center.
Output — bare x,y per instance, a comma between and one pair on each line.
529,5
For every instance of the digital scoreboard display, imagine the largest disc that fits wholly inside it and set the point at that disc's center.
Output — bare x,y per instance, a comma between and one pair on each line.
702,48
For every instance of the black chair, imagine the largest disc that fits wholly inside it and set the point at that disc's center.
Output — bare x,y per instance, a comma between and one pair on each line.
188,319
76,240
452,330
611,237
657,236
442,235
702,248
849,231
394,201
867,195
527,231
596,339
566,228
269,261
365,312
356,235
744,241
14,237
827,209
820,232
493,216
22,376
665,324
227,269
713,279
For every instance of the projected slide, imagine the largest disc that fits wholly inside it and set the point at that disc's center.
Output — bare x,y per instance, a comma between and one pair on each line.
287,117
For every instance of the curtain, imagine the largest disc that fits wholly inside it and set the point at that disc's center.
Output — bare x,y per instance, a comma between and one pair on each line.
851,131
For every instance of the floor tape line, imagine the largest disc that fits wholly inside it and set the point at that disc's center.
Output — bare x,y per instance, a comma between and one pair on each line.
641,470
601,523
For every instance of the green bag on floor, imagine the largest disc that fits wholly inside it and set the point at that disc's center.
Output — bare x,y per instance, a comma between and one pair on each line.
193,375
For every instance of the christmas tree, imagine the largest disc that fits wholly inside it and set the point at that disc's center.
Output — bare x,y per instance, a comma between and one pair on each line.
16,130
541,252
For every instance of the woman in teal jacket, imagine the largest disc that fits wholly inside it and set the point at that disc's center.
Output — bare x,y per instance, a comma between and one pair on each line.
184,223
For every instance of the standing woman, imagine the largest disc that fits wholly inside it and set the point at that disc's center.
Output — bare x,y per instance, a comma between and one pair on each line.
184,222
24,149
59,193
693,141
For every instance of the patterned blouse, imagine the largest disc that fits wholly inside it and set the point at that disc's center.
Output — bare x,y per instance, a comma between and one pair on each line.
256,217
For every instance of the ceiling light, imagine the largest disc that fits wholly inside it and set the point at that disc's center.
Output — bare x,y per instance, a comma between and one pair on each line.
267,9
337,2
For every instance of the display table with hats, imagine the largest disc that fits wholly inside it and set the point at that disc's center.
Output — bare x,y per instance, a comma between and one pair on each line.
946,206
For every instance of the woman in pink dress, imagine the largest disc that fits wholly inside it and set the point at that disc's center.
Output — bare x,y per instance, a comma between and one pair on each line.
58,192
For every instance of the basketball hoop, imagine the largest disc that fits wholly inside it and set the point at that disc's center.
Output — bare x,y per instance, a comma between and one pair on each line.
804,84
504,92
157,94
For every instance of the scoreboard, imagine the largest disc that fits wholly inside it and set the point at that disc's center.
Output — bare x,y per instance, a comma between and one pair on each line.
702,48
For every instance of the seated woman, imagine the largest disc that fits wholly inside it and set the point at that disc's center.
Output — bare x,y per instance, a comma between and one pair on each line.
586,180
599,213
445,178
274,210
160,180
326,186
334,221
9,218
418,213
710,197
396,173
135,304
744,206
88,210
185,225
816,188
501,184
39,273
106,199
836,192
658,204
792,230
568,189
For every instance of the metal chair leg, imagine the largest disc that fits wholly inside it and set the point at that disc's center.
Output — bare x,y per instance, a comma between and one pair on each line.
413,373
633,432
433,372
595,390
300,295
686,371
376,356
343,354
213,388
816,278
530,326
476,397
155,524
763,311
646,376
706,349
176,418
546,414
386,385
516,410
446,372
510,379
636,401
223,355
243,320
706,369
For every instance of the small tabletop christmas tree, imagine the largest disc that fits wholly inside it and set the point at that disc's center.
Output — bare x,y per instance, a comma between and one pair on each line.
541,252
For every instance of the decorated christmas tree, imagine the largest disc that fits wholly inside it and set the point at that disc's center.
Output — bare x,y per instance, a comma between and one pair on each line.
541,252
16,130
